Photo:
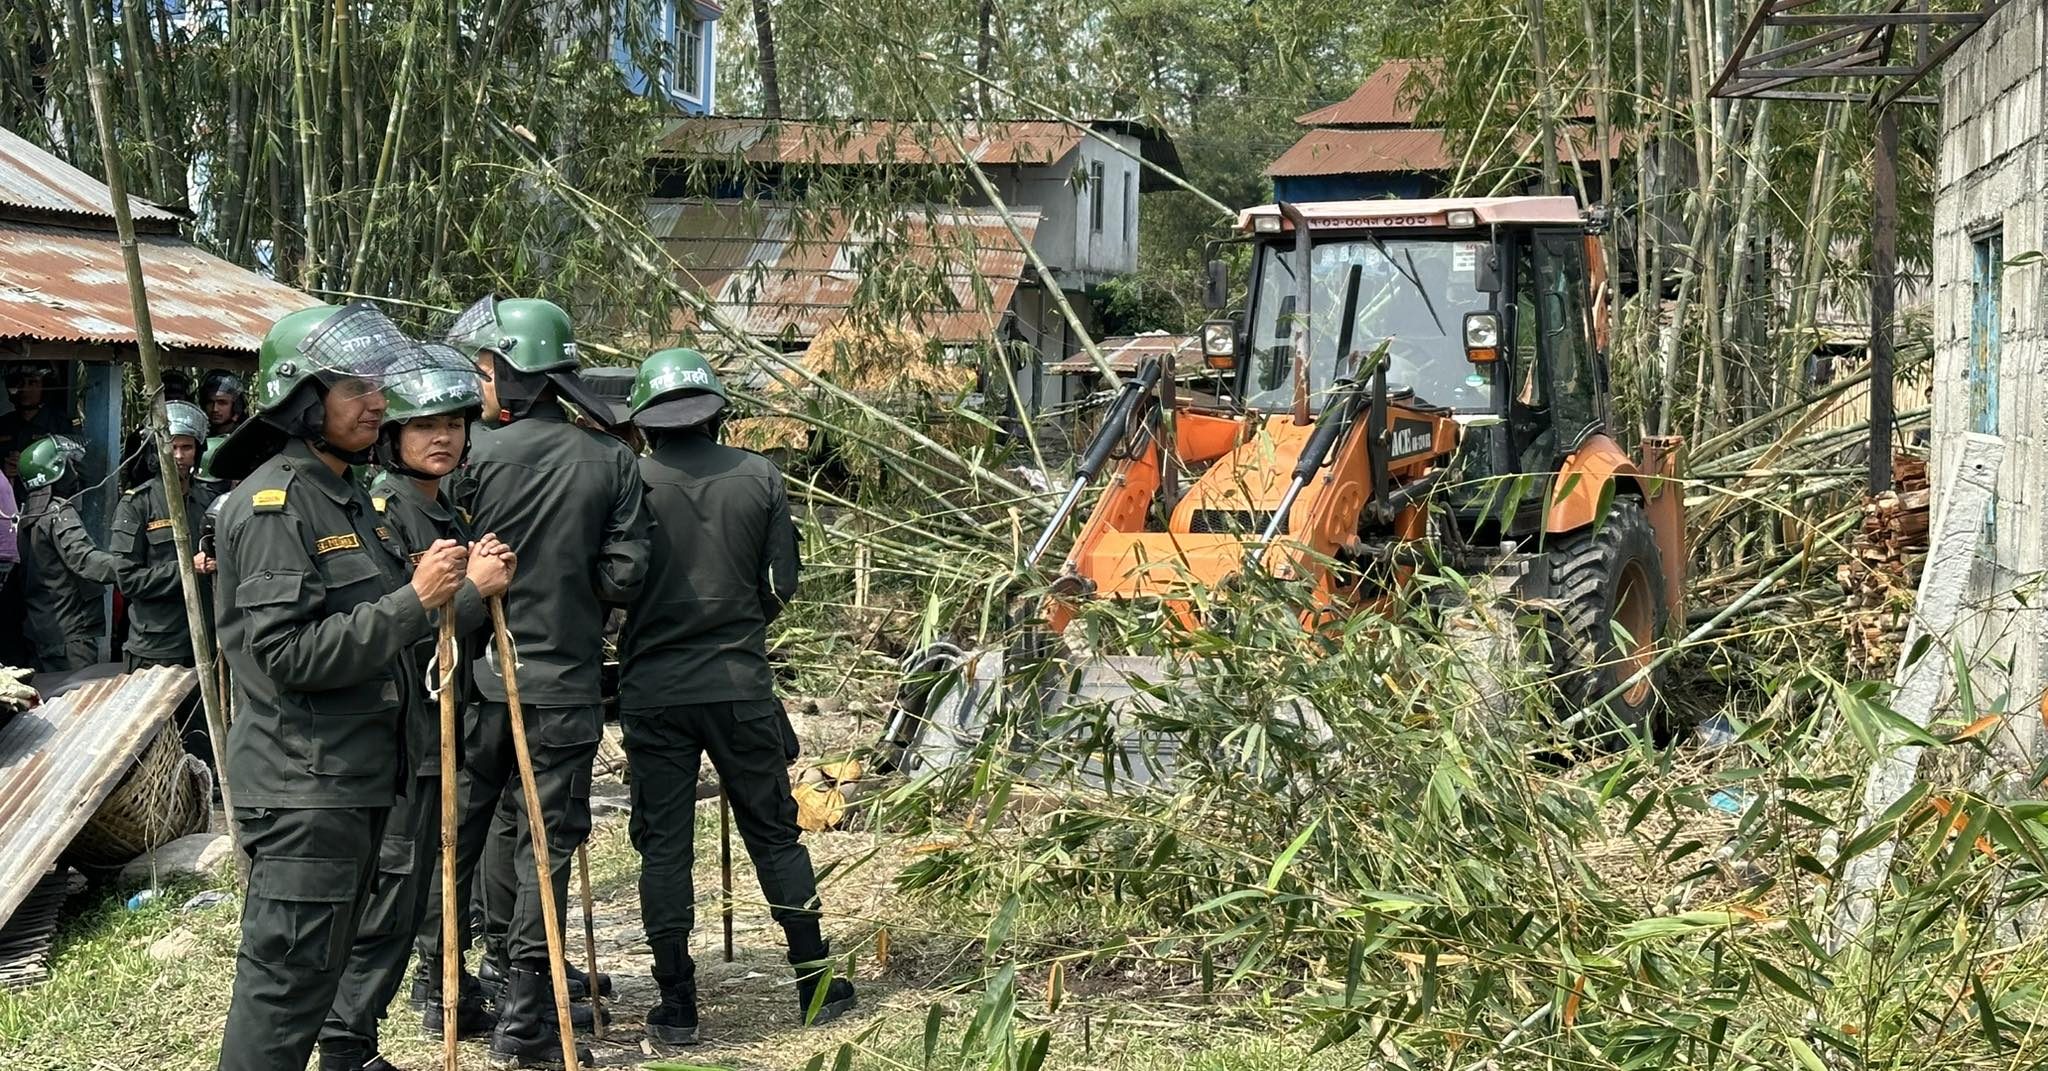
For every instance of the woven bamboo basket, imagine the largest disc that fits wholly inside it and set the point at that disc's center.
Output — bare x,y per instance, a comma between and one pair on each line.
162,798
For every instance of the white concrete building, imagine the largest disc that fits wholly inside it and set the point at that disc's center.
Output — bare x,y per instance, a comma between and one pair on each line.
1991,367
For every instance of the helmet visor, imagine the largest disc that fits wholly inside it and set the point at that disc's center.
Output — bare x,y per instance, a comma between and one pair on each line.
358,351
477,327
448,383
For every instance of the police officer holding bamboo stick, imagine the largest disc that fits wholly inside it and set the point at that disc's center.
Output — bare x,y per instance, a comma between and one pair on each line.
318,622
425,437
571,501
695,681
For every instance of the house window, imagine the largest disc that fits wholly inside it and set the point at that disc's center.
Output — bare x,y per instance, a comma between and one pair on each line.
1130,210
689,58
1986,297
1097,180
1985,301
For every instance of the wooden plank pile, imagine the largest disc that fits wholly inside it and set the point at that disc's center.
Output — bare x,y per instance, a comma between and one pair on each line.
1883,569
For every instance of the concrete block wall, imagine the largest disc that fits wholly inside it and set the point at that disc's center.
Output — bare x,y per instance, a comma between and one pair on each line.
1991,178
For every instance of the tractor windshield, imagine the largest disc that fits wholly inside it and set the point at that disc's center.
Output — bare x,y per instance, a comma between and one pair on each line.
1412,292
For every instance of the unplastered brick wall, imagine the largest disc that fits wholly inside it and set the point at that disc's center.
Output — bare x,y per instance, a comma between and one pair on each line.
1990,181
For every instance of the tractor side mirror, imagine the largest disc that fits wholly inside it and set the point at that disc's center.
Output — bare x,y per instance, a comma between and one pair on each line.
1486,274
1482,337
1219,345
1216,288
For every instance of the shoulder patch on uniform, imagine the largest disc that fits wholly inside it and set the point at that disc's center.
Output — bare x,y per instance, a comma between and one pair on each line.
330,544
383,532
270,498
158,524
380,502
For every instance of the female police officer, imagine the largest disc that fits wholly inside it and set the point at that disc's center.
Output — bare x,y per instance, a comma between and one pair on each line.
318,621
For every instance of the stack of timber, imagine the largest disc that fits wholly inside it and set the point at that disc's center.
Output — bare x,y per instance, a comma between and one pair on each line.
1883,570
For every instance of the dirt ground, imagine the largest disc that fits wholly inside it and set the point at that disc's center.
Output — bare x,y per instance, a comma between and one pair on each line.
748,1005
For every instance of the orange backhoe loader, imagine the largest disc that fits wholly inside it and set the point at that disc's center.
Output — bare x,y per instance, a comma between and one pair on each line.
1404,371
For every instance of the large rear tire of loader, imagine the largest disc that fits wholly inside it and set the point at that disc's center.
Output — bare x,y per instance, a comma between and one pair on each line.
1602,577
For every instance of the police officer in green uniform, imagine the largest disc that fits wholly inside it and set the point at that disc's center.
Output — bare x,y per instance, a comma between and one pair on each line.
425,437
67,576
570,500
318,621
695,681
158,634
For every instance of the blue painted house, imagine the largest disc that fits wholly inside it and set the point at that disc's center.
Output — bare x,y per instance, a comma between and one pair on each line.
687,33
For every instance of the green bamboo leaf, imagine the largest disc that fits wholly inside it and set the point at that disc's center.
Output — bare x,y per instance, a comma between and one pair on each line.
1034,1052
1226,899
932,1019
1783,979
844,1060
1293,849
1987,1017
999,927
1808,1059
817,1063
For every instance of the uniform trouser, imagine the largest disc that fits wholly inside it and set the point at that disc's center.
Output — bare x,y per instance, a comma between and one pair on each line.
746,745
310,873
563,742
497,874
64,646
397,900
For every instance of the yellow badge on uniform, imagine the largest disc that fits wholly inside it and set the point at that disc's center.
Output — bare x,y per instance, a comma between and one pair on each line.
159,524
271,498
330,544
379,502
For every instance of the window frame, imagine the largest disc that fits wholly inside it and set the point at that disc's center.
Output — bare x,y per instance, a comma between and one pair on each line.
685,23
1098,179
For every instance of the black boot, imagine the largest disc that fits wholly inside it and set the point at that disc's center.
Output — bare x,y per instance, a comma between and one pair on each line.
426,986
674,1020
811,957
527,1035
352,1056
491,975
472,1019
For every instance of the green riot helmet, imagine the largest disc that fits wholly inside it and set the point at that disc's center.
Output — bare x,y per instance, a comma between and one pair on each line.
206,455
278,369
676,389
50,461
449,384
533,335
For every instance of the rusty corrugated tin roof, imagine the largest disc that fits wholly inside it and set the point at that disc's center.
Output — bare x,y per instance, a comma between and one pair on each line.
1384,99
1378,152
868,141
1389,95
1123,352
37,186
61,284
59,761
780,271
1363,152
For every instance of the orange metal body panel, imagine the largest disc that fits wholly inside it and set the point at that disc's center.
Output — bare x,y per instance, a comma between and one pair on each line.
1251,464
1582,482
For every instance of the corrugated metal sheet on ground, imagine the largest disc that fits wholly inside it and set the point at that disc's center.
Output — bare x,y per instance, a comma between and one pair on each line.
781,271
26,939
59,761
871,141
61,284
34,182
1123,352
